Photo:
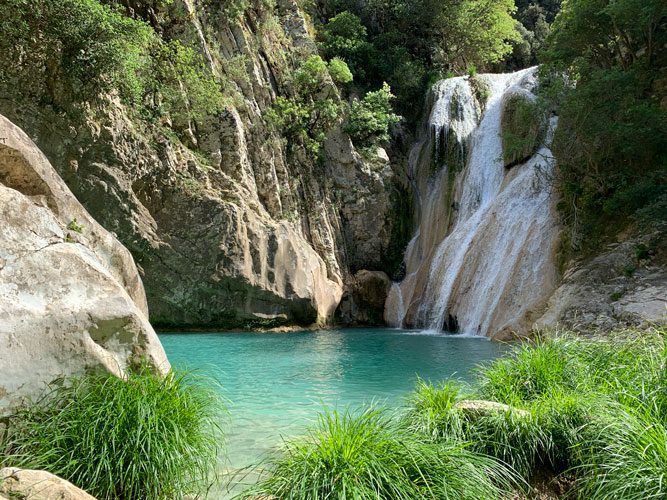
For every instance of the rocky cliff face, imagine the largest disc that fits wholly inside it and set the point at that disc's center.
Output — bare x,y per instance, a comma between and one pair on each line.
71,298
226,227
625,285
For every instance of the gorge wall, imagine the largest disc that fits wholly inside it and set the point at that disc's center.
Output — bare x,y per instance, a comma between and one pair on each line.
235,225
227,228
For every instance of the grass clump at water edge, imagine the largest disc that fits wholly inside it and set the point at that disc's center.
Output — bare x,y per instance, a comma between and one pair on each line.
370,455
590,415
148,436
571,417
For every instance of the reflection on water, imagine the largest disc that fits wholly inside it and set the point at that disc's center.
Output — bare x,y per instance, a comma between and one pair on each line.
275,384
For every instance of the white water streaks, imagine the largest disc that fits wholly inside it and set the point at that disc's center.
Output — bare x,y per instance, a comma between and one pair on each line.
481,261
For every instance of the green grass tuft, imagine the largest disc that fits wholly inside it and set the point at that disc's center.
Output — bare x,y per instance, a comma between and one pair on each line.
368,455
147,437
431,410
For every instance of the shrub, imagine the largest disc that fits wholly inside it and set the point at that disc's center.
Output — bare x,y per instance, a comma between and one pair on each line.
314,107
87,46
369,120
339,71
188,89
145,437
346,37
611,140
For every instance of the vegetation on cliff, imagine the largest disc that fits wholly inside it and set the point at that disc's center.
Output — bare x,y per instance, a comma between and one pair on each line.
410,43
148,436
605,75
583,417
79,50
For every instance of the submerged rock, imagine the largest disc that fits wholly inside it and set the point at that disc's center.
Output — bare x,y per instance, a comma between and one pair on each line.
38,485
71,299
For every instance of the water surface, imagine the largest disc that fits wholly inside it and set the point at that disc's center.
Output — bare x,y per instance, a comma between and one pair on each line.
276,383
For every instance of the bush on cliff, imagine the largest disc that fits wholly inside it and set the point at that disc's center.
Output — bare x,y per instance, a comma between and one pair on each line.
370,118
145,437
59,52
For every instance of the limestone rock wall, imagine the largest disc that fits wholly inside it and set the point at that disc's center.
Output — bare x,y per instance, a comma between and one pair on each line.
226,227
625,285
71,298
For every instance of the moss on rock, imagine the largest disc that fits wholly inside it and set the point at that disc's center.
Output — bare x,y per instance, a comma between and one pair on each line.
523,129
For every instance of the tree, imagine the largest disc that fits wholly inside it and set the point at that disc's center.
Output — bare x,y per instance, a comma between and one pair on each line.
605,64
408,42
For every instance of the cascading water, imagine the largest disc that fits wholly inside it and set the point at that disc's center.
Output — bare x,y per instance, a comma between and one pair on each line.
482,258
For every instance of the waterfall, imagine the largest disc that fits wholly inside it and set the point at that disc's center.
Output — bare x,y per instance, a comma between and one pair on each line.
482,258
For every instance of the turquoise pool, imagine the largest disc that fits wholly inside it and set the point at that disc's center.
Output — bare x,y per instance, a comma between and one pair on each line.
275,383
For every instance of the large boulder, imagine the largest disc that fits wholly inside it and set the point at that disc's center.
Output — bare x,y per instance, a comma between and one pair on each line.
71,299
38,485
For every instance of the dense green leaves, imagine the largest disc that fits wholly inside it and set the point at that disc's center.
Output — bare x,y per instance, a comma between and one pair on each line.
605,71
370,118
315,106
60,52
405,43
87,46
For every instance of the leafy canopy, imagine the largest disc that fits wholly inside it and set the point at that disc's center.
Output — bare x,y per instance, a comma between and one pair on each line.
605,72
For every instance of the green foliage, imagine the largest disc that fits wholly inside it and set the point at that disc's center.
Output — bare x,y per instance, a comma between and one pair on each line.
339,71
370,118
405,43
145,437
627,456
591,409
534,22
605,68
82,45
369,456
431,410
75,226
187,88
73,51
345,36
315,107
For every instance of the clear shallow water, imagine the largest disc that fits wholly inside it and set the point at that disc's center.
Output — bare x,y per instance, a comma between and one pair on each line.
276,383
